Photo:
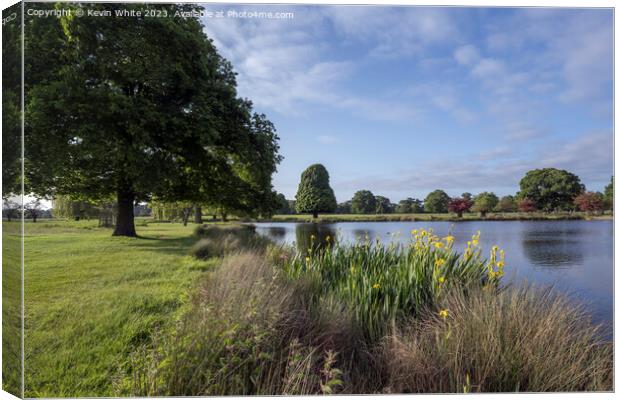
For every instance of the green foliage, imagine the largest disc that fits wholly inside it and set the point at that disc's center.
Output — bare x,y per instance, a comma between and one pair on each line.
609,195
314,195
381,284
409,206
65,207
363,202
344,208
11,103
383,205
550,189
436,202
506,204
167,124
485,202
283,206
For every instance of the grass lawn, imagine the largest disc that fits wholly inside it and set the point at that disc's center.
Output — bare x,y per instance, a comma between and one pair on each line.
92,299
434,217
11,310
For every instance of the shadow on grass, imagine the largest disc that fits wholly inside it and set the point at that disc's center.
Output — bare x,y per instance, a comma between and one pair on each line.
176,246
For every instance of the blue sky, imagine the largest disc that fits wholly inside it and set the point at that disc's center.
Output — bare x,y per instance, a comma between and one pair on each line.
405,100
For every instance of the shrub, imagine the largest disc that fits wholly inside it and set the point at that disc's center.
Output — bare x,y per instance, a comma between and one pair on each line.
219,240
520,339
206,248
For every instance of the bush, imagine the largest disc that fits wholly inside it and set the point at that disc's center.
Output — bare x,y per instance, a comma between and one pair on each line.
219,240
206,248
520,339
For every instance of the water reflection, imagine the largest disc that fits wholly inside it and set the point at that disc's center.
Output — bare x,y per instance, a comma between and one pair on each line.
314,236
552,249
276,232
573,256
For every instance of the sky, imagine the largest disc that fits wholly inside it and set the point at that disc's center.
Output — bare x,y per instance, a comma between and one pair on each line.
405,100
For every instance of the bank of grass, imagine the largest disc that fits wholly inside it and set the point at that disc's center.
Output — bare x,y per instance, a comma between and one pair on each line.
93,299
514,216
369,319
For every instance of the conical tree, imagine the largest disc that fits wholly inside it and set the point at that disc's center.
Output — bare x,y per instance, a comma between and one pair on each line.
314,195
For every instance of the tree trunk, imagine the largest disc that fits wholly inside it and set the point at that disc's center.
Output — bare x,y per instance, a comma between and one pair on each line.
34,218
124,214
483,214
315,214
224,217
197,215
186,212
459,214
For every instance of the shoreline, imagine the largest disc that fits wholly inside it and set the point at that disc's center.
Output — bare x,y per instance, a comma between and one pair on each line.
432,217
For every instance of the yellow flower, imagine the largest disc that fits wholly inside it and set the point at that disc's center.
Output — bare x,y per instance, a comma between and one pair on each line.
442,279
449,239
307,259
474,242
327,238
414,232
438,245
439,262
312,237
376,286
443,314
500,264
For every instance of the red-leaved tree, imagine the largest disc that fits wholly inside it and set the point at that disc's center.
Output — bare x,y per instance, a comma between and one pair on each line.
590,202
526,205
459,205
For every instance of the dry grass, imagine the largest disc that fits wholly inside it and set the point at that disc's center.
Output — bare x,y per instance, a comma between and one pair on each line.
520,339
253,328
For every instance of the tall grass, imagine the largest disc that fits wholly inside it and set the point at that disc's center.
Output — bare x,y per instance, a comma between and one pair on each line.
368,318
522,339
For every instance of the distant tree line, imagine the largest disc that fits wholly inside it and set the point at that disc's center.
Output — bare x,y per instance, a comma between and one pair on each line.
546,190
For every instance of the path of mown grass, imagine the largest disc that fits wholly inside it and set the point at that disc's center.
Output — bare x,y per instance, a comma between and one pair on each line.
91,299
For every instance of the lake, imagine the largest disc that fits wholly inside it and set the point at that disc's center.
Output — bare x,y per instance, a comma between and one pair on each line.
573,256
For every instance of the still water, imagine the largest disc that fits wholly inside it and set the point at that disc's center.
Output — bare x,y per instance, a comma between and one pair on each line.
573,256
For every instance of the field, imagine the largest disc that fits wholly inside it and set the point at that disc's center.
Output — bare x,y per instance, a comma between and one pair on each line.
222,311
435,217
92,299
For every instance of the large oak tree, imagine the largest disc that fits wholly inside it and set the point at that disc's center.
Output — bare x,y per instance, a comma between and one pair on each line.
139,108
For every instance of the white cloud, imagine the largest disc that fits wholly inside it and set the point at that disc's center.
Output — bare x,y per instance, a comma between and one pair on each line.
282,66
488,68
466,55
394,32
589,156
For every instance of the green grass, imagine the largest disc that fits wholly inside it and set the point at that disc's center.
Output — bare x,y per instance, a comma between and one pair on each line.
92,299
11,308
434,217
111,316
